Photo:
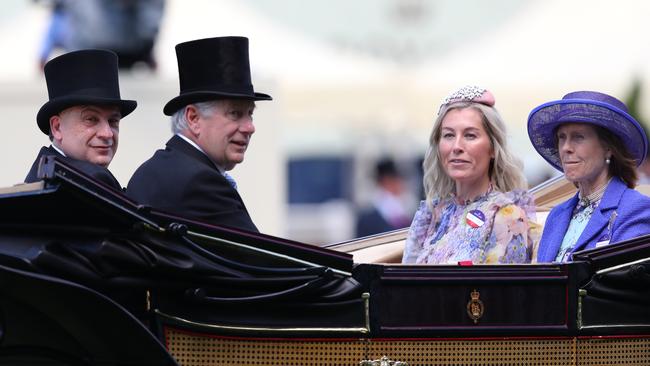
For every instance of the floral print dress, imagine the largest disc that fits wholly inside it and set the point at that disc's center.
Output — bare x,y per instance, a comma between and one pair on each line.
494,228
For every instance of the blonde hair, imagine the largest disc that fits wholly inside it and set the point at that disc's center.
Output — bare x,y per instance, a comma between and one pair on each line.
505,170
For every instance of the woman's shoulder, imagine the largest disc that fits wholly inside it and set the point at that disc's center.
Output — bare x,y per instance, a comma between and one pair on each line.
436,204
424,213
634,198
634,194
518,197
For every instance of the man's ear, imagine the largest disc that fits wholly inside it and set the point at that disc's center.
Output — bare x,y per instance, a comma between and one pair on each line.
55,128
192,117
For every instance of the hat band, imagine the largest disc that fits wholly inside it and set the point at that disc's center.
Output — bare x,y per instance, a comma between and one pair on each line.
222,88
90,92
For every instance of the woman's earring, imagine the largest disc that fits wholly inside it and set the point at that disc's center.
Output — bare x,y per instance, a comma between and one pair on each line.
607,161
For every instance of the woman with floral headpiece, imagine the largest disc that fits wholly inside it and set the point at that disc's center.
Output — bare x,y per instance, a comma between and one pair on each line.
476,209
592,139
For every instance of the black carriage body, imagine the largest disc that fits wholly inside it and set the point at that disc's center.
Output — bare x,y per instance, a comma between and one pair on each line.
78,258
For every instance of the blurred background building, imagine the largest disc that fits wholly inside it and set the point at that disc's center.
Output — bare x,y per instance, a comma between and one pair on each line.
352,81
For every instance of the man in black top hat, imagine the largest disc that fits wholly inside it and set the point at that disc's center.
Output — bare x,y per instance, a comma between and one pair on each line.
83,114
212,122
388,211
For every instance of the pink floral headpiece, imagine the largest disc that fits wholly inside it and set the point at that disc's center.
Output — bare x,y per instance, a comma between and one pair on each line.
470,93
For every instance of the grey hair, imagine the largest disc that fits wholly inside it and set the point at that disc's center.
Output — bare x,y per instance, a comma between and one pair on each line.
179,122
505,170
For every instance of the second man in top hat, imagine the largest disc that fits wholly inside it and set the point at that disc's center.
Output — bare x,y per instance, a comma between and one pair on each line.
83,113
212,122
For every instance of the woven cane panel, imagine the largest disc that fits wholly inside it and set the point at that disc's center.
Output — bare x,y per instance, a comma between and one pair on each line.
191,350
479,353
195,350
614,351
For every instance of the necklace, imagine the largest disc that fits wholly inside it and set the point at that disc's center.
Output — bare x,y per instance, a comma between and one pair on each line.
594,196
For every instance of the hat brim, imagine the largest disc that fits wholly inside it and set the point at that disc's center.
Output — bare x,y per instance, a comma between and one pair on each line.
203,96
56,105
544,120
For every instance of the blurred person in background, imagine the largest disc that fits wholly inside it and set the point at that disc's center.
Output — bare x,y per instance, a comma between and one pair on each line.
476,209
590,137
212,122
83,113
127,27
56,32
389,210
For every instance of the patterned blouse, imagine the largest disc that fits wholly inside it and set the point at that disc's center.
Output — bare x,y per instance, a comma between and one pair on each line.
494,228
579,219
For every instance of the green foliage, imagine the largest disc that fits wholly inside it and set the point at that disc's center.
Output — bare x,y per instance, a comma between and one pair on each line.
633,102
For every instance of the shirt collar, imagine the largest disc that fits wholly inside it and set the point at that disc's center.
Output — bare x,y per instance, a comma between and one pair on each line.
189,141
58,150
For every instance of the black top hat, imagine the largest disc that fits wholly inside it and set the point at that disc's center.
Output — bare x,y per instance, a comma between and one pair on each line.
80,78
386,168
213,68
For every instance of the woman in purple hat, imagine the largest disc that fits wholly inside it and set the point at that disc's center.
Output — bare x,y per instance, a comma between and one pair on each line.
475,210
592,139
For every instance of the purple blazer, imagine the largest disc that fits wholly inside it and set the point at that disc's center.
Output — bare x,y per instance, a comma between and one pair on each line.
632,219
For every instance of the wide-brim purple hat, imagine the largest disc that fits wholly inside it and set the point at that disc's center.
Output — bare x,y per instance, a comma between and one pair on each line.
585,107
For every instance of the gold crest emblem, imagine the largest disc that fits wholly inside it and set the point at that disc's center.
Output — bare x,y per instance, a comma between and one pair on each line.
475,306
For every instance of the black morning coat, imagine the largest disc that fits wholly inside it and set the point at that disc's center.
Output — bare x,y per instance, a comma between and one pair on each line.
184,181
95,171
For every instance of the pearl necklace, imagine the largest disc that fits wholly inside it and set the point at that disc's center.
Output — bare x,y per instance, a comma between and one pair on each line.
595,196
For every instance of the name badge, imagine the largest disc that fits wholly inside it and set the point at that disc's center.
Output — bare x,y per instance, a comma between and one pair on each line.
602,243
475,218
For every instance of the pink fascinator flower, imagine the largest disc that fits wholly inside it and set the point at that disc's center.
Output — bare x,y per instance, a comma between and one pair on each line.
470,93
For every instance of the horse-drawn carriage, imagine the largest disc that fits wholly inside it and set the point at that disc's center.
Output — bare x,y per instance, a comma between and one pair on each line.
89,277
